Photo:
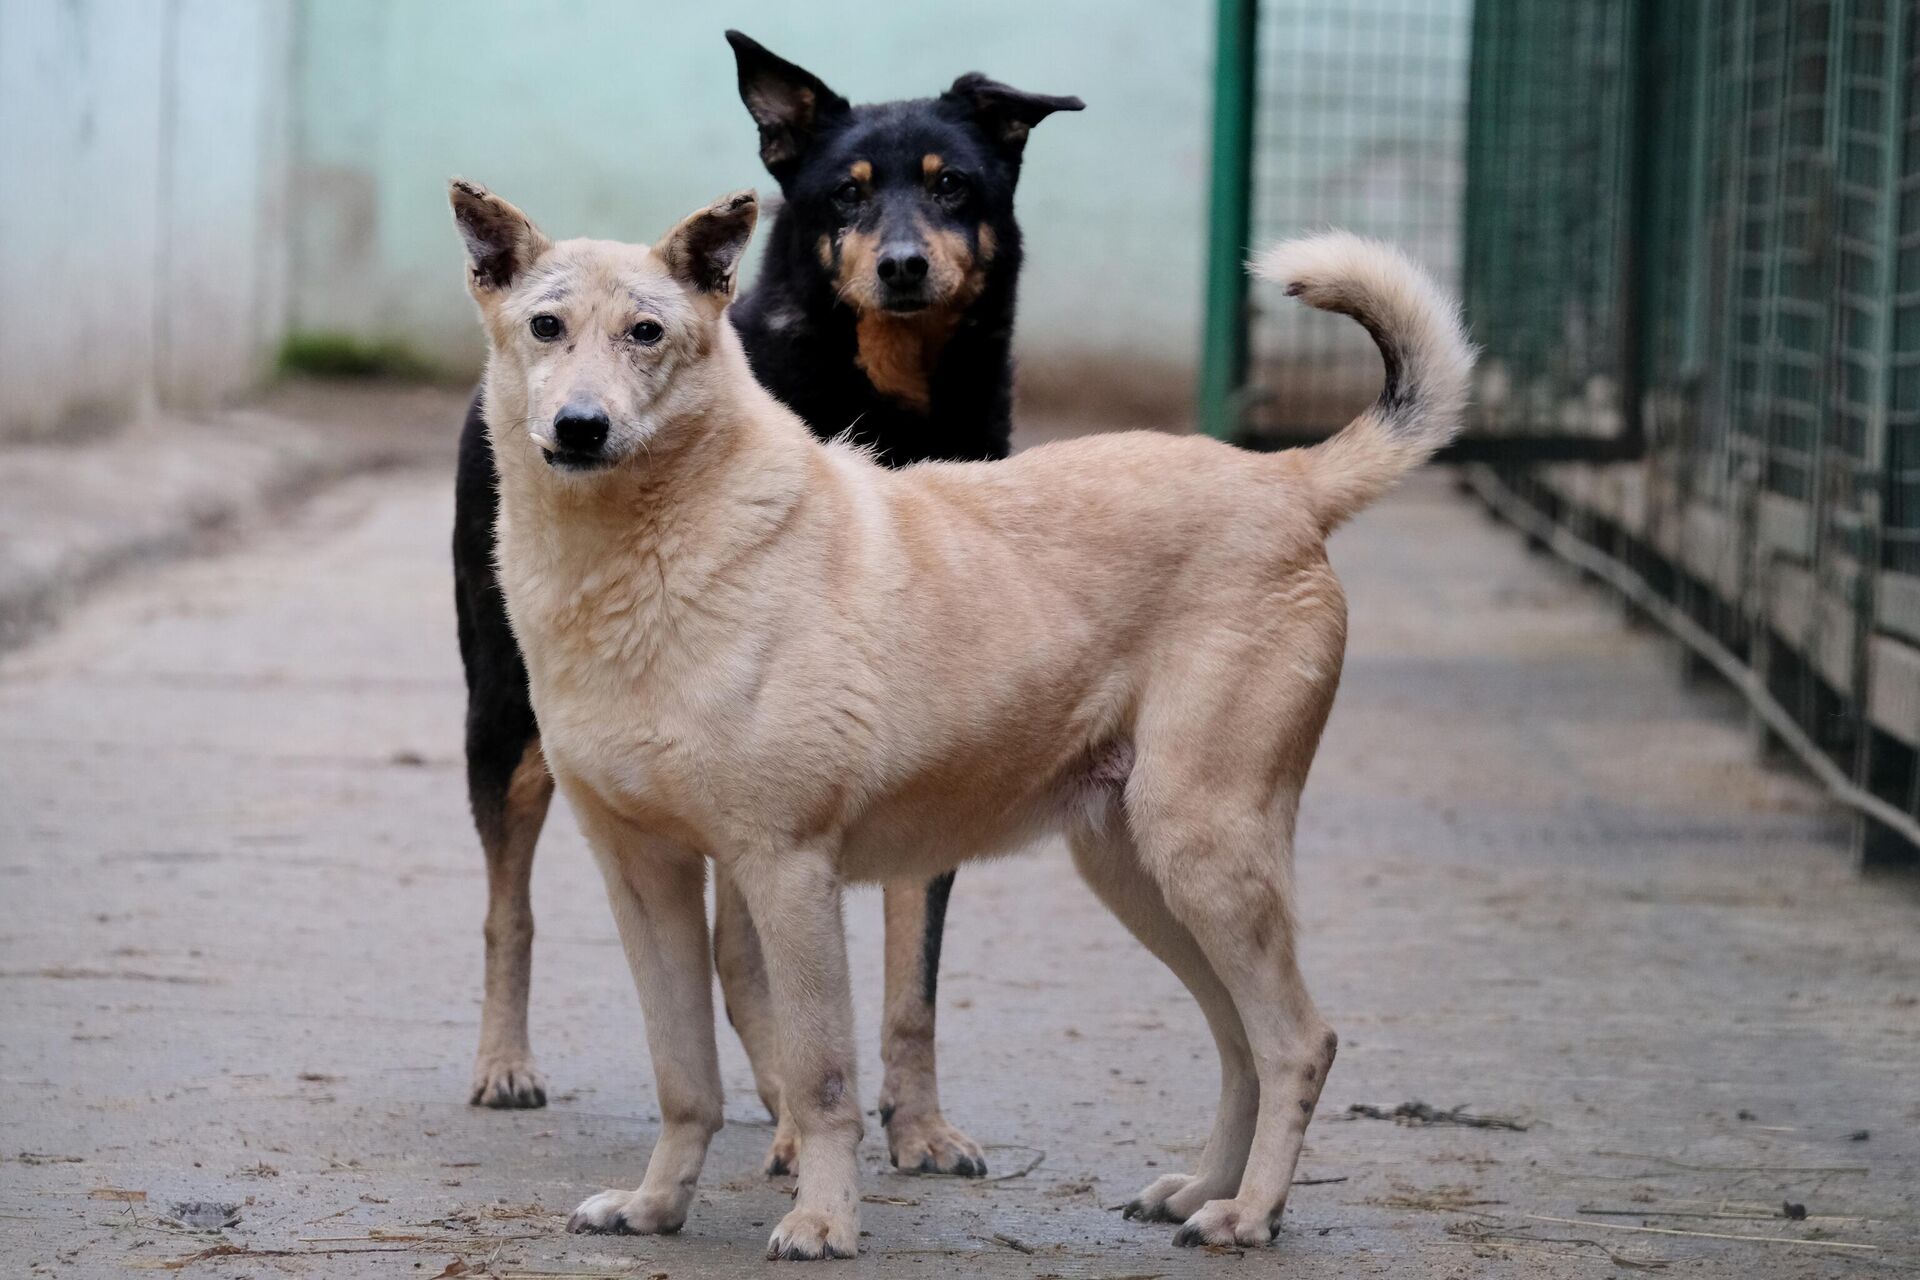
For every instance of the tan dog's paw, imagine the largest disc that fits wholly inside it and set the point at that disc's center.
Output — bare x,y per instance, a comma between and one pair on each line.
629,1213
507,1081
1153,1202
928,1144
783,1157
807,1234
1228,1222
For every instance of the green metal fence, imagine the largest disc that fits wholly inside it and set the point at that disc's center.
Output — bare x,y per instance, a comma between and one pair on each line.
1689,243
1695,229
1347,113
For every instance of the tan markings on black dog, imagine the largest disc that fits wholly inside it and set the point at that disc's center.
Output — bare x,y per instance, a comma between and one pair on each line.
504,1074
823,249
931,164
898,351
857,280
955,273
989,244
862,170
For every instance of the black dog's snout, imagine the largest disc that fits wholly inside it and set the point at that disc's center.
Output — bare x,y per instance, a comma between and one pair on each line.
902,264
578,429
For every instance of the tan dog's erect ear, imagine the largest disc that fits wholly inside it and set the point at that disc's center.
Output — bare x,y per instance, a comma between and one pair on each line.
501,241
704,251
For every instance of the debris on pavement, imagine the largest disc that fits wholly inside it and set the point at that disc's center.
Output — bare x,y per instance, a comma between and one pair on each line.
1420,1113
203,1215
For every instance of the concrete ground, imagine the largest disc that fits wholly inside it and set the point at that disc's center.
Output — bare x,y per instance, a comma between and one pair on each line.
239,963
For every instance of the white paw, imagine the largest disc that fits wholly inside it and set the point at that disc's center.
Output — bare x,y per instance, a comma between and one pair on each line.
928,1144
1228,1222
629,1213
807,1234
507,1080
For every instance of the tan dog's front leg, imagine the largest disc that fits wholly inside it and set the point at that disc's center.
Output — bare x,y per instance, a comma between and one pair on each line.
659,904
918,1137
743,984
795,901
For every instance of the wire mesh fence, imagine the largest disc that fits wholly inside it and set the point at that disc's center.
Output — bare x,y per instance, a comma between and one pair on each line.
1698,226
1359,121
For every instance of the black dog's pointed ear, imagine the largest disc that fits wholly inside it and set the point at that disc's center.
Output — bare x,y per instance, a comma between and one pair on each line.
789,103
703,252
1004,111
502,242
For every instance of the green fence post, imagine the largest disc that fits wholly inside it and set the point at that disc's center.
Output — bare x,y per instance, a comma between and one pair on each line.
1223,351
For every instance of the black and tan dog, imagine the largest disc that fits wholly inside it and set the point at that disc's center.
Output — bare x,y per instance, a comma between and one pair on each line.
883,313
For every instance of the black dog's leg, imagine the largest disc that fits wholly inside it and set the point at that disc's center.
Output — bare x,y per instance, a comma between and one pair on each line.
507,780
918,1136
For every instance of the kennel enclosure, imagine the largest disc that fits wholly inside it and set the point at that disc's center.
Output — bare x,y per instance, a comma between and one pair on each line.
1688,241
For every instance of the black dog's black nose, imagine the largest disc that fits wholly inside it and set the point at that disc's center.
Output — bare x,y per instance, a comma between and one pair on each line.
902,264
580,429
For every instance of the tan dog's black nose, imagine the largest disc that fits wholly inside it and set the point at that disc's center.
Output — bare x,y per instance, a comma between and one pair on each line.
581,429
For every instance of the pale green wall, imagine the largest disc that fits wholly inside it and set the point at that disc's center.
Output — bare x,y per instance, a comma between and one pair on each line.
143,149
615,117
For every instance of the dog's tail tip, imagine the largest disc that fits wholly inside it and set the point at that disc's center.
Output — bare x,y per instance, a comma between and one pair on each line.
1424,351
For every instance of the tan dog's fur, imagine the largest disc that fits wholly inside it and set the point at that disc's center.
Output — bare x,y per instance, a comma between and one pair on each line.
751,648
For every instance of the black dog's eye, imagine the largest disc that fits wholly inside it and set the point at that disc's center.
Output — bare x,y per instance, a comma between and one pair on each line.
847,192
546,327
647,332
949,184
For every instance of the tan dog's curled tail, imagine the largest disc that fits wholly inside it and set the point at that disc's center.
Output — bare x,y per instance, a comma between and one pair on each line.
1422,344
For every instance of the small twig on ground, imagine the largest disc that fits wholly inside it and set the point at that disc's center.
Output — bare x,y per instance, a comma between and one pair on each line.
1420,1113
1671,1163
1792,1241
1318,1182
1478,1233
1741,1215
1018,1246
1029,1167
242,1251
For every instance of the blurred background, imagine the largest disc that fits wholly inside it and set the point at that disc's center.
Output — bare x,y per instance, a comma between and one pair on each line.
1686,236
224,189
1617,821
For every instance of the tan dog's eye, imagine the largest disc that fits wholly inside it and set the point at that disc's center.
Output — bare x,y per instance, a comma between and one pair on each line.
646,333
546,327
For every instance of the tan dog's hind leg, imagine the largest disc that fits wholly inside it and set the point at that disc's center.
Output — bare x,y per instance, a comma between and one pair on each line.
503,1070
795,900
659,903
1110,865
743,984
918,1136
1228,882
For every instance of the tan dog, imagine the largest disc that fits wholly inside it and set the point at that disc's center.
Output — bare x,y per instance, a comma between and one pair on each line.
749,647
